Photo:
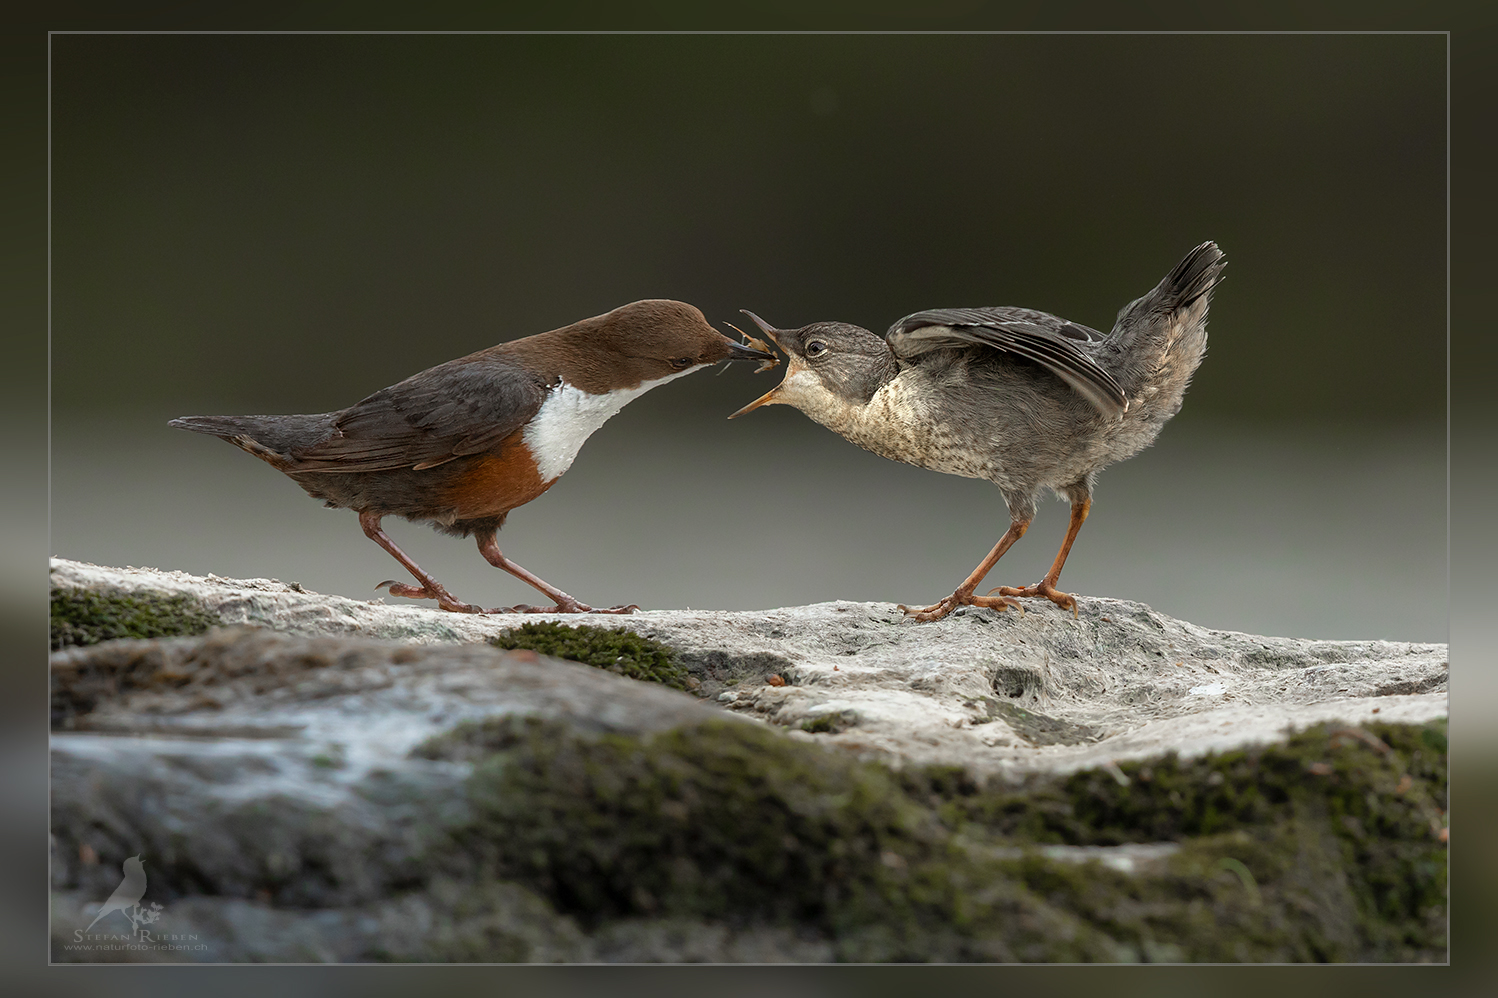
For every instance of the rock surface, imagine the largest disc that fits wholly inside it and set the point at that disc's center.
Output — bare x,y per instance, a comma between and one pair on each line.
982,689
301,782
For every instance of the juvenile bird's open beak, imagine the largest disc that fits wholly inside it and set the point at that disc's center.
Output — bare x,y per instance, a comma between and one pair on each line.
764,327
768,398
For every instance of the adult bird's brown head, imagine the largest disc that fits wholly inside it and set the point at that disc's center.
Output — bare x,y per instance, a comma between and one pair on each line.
643,343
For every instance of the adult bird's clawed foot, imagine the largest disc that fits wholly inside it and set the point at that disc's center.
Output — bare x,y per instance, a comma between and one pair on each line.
444,598
565,606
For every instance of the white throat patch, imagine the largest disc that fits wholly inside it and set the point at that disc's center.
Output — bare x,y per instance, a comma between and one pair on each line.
570,415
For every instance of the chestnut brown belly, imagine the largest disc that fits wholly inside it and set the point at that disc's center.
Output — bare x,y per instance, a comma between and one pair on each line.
460,495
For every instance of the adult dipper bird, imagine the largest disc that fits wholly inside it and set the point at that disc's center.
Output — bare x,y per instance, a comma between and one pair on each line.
1026,400
463,443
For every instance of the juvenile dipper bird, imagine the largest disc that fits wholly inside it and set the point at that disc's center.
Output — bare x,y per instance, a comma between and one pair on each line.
463,443
1026,400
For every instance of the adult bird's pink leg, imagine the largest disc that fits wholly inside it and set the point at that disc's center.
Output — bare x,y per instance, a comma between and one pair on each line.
430,588
489,548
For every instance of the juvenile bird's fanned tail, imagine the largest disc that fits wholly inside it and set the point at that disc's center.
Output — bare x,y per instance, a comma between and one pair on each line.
1159,340
1194,276
1188,282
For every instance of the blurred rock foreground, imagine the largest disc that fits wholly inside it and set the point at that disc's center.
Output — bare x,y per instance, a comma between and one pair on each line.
314,778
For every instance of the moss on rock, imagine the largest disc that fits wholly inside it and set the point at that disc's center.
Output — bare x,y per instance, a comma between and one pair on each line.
830,723
736,822
471,741
87,617
620,651
1327,847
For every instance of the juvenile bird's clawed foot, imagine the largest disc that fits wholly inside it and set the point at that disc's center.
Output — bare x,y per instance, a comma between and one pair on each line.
444,598
1065,601
952,602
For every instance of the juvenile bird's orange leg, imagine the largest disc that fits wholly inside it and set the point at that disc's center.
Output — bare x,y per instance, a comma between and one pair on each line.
489,548
1047,586
430,588
964,594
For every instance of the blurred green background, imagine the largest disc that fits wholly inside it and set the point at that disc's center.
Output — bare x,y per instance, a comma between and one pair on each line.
261,223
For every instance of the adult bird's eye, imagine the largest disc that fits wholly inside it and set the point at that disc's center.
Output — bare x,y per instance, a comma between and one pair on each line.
680,363
816,348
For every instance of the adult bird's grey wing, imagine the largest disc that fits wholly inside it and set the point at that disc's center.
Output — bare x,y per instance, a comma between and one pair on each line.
1047,339
452,410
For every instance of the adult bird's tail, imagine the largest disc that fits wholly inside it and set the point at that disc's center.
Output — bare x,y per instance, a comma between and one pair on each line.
1159,340
276,440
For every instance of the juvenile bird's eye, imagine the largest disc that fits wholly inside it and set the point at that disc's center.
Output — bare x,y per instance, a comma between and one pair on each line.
680,363
816,348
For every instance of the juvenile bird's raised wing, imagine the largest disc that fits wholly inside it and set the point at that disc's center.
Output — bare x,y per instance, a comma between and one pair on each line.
1046,339
452,410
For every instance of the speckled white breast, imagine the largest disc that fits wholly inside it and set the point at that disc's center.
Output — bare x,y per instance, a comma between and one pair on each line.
896,424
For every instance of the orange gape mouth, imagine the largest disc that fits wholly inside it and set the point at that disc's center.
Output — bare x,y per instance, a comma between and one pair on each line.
792,366
768,398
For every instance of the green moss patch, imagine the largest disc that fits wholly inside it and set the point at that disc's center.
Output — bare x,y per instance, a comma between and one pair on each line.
474,740
1341,829
86,617
735,822
831,722
1330,846
619,651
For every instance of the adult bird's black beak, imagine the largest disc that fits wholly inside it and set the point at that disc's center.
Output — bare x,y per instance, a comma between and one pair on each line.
739,351
769,397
